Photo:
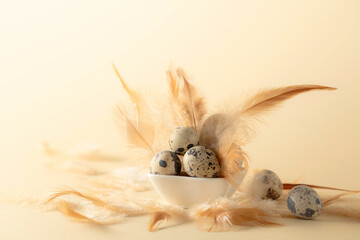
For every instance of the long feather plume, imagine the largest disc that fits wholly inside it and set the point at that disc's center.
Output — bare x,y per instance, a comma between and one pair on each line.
237,122
188,108
266,100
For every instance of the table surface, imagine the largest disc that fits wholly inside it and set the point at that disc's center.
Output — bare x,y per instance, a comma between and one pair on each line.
57,86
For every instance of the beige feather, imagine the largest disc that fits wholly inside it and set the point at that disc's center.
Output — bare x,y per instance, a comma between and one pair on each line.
345,211
175,107
93,199
127,209
342,207
134,96
237,122
337,197
232,159
139,132
224,213
156,219
139,127
64,208
163,216
188,108
174,85
266,100
68,210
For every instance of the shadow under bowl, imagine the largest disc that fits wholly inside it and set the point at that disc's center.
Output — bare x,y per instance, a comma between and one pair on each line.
187,191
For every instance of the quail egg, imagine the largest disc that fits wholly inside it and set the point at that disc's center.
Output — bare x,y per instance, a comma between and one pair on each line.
304,202
182,139
267,185
165,163
201,162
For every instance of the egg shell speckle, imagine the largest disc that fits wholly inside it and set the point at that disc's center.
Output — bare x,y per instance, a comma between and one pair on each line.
304,202
165,163
182,139
201,162
267,185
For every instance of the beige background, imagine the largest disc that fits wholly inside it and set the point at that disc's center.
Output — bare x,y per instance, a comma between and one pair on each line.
57,85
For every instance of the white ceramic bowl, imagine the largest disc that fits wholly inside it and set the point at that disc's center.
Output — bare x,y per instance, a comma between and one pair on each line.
186,191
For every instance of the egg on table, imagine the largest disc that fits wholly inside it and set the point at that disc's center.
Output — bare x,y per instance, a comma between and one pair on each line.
165,163
201,162
266,185
304,202
182,139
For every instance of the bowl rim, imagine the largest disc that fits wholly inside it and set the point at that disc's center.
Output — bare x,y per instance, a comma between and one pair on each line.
189,177
185,177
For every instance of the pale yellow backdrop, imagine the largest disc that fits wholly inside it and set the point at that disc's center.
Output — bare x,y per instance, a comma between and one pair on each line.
57,85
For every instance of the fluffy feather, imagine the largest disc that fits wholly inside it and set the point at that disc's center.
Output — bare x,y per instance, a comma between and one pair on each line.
231,159
139,127
188,108
224,213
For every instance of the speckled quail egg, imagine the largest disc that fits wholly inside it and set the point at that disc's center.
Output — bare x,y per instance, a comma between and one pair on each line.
182,139
304,202
201,162
267,185
165,163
